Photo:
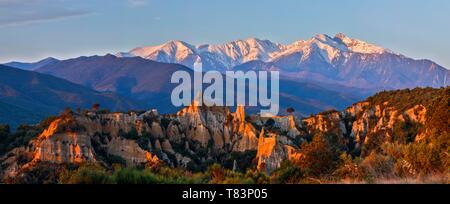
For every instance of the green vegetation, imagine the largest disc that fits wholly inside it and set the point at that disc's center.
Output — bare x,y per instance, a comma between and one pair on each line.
94,173
21,137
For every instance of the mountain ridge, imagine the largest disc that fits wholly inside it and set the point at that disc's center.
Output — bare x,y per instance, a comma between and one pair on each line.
149,81
339,59
32,65
35,96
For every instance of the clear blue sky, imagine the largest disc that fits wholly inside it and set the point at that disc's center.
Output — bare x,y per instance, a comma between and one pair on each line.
34,29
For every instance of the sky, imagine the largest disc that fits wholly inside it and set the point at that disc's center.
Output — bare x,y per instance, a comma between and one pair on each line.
35,29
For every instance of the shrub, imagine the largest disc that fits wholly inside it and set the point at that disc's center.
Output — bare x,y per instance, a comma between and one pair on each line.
256,176
288,173
321,156
216,173
87,174
349,170
269,123
134,176
379,165
21,137
41,173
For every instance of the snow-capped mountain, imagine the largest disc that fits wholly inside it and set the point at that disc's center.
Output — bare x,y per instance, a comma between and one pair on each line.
332,60
217,57
328,48
234,53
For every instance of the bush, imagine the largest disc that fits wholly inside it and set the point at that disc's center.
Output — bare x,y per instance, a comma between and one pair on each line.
87,174
349,170
41,173
21,137
269,123
256,176
216,173
288,173
133,176
4,135
69,124
321,156
417,159
378,165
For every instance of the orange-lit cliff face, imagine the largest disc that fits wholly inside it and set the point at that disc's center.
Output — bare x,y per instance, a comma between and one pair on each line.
51,130
265,152
59,146
75,146
273,149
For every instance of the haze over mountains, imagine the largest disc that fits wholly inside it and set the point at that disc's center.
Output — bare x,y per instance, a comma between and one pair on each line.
331,60
27,97
138,78
32,65
149,81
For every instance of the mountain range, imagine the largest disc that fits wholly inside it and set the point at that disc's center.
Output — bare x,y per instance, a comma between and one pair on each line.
32,65
331,60
317,74
26,97
149,81
396,136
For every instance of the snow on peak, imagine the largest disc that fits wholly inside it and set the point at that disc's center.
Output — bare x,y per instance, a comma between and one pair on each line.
172,52
328,47
237,52
358,46
240,51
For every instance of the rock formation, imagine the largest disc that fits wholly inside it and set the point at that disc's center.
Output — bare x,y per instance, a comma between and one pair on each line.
197,134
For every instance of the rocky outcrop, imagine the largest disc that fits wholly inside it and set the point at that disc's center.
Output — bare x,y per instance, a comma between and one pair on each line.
63,147
372,120
192,122
129,150
273,150
330,122
244,134
198,134
215,127
288,124
139,138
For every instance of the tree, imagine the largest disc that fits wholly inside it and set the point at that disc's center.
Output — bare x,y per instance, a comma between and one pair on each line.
270,122
67,112
320,155
290,110
4,131
4,135
89,173
288,173
216,172
95,106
